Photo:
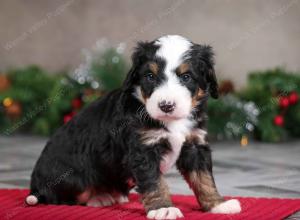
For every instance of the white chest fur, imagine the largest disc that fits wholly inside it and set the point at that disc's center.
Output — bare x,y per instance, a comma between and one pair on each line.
176,134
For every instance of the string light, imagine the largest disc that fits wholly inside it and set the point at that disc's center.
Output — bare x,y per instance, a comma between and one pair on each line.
244,141
7,102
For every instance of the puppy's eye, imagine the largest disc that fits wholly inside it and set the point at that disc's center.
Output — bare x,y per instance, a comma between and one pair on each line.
186,77
150,77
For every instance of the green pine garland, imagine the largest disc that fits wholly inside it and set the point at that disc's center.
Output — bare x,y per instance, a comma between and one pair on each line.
45,99
265,89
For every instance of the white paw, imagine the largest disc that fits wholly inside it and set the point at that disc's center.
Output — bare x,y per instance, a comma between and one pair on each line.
165,213
101,200
228,207
121,199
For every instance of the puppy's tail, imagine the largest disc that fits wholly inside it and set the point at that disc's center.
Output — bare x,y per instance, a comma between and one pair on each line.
31,200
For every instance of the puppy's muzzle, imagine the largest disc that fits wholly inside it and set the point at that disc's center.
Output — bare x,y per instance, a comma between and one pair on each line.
167,107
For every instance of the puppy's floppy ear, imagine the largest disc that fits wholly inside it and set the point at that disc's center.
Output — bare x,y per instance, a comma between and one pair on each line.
213,83
204,54
141,53
130,78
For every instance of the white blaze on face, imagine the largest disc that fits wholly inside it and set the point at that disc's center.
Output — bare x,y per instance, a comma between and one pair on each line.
172,48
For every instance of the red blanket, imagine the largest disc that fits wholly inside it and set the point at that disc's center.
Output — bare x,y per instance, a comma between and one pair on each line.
12,207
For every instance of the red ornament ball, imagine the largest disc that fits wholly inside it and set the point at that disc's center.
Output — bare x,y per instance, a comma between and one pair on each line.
14,110
279,120
76,103
293,98
4,83
72,113
67,118
284,102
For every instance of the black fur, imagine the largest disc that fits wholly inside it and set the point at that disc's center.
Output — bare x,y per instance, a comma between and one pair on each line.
199,158
202,57
100,147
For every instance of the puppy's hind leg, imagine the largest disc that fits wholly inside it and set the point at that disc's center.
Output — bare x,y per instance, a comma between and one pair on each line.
120,198
99,200
106,199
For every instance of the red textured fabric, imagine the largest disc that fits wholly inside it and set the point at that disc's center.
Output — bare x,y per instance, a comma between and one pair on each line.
12,207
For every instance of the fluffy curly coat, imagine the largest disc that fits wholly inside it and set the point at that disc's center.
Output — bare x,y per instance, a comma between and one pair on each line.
135,134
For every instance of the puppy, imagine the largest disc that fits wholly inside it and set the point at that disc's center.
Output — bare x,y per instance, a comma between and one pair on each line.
135,134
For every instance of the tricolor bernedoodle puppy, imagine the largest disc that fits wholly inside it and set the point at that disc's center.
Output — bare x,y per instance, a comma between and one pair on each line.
134,134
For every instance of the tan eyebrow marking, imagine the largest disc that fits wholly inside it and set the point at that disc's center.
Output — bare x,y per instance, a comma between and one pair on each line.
199,94
154,68
183,68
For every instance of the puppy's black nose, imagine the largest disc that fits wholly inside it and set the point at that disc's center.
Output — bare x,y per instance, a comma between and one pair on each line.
166,107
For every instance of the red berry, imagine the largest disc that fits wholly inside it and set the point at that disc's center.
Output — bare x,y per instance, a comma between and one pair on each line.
293,98
67,118
284,102
279,120
76,103
72,113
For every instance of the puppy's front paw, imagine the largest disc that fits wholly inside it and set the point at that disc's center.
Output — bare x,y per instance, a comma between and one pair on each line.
165,213
228,207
